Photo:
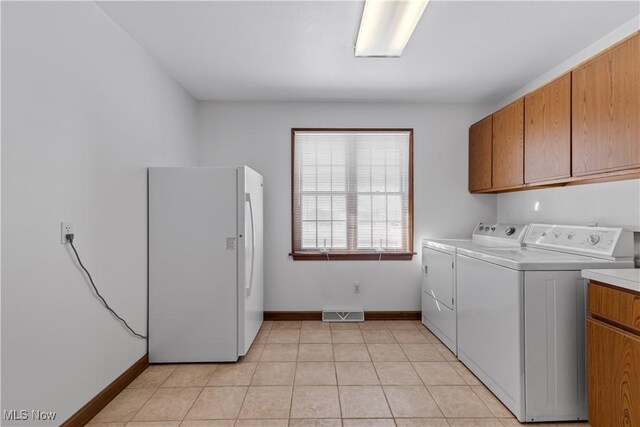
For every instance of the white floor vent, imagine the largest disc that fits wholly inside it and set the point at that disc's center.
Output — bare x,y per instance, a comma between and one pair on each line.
343,315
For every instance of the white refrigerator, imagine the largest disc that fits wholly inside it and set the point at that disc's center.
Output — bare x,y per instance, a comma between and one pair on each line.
205,263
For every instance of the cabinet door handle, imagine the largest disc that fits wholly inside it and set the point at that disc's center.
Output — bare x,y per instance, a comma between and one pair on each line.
426,270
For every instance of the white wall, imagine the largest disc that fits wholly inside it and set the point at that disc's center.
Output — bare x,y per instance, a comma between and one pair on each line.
85,110
612,203
259,135
599,45
607,203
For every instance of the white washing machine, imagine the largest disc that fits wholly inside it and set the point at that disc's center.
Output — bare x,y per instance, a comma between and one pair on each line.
439,274
521,316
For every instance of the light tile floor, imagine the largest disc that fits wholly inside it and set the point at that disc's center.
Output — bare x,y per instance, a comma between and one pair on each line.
376,373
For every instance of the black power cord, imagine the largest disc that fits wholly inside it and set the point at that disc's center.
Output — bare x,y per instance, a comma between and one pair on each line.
124,322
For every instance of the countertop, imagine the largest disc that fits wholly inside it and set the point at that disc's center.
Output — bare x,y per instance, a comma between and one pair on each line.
625,278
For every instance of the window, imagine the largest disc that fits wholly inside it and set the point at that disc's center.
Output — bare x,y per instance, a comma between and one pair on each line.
352,193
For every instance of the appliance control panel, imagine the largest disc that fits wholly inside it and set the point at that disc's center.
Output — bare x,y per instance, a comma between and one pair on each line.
598,241
513,232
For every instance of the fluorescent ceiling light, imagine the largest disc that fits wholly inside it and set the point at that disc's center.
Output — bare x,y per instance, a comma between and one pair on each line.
387,25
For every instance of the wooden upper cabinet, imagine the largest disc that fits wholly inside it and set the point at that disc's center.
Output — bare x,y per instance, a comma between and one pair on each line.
581,127
508,150
547,131
480,155
606,111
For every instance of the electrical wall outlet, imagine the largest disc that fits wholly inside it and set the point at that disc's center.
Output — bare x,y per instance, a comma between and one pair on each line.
356,287
65,228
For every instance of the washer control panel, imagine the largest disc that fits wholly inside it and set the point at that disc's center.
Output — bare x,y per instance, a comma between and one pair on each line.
579,239
503,231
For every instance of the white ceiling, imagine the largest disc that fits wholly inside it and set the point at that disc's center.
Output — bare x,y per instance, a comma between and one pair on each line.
476,51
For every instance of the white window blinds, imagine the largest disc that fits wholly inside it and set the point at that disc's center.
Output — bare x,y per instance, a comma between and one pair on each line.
351,191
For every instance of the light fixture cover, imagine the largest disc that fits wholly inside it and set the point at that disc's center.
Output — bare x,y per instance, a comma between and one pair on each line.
386,26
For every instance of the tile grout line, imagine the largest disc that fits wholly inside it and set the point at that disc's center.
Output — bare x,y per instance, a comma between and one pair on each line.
444,359
412,367
441,350
149,398
482,400
293,381
335,374
192,403
381,387
427,387
142,406
244,398
166,379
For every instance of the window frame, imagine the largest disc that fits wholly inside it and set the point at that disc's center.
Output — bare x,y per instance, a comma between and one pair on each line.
351,255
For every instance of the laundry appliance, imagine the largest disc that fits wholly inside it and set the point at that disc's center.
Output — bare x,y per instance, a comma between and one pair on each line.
521,316
439,274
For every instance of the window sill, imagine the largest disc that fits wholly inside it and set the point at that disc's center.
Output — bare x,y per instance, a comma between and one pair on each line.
367,256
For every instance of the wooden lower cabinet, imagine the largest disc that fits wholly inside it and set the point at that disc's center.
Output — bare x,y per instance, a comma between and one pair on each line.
613,371
618,306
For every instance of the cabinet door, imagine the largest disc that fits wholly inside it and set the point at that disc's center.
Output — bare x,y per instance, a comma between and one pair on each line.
508,150
480,155
547,130
613,369
606,111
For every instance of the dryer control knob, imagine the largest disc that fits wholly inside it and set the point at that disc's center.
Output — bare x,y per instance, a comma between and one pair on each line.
593,239
510,230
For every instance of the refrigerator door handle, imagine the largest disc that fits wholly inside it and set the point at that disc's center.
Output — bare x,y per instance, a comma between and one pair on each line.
253,242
